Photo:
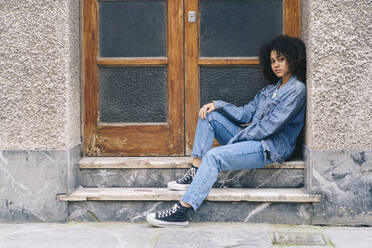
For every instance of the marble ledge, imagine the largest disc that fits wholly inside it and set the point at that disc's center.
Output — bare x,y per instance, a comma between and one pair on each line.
248,212
158,178
344,179
30,181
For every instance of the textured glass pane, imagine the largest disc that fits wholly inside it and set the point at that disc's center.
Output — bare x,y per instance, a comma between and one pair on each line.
133,94
132,28
237,85
238,27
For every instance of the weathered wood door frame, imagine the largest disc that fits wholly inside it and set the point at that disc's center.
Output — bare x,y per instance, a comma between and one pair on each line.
291,26
134,139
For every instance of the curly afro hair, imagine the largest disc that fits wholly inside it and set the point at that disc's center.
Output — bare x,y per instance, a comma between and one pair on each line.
293,49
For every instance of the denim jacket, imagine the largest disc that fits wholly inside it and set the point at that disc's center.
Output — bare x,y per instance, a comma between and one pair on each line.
276,119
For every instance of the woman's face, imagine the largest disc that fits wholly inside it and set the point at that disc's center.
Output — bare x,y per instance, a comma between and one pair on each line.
279,65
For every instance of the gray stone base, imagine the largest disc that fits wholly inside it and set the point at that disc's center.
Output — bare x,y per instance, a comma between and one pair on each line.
344,178
252,212
30,181
259,178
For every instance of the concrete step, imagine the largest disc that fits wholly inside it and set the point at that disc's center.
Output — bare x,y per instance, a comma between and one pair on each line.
157,171
286,206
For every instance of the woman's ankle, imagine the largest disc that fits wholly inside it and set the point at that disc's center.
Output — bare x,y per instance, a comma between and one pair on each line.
196,162
197,167
184,204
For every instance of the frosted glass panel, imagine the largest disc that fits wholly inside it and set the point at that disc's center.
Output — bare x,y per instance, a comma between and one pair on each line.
132,28
133,94
237,85
238,27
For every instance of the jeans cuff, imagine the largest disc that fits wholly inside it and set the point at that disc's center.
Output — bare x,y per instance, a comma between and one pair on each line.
190,203
196,156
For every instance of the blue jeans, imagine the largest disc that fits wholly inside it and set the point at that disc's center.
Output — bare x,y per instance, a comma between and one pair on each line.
238,156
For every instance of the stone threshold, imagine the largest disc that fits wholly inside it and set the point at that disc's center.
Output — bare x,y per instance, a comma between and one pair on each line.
160,163
163,194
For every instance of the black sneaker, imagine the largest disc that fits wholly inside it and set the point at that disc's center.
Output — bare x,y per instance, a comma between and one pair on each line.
173,217
184,182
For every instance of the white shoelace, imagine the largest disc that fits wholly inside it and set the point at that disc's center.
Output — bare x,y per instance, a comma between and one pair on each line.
168,212
190,173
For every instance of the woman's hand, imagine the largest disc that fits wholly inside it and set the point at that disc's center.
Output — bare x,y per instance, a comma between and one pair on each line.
207,108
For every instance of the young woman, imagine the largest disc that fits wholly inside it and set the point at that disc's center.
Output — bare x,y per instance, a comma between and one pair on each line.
262,132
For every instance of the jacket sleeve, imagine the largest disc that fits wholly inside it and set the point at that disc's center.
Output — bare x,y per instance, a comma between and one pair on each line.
279,116
240,115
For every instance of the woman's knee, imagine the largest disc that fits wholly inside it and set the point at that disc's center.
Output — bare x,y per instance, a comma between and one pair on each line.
216,120
214,116
212,158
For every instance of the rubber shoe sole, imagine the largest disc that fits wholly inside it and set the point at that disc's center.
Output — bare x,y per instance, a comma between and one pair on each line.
176,186
150,218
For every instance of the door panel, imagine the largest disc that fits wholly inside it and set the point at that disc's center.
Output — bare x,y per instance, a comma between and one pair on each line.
149,84
234,84
133,74
237,28
132,28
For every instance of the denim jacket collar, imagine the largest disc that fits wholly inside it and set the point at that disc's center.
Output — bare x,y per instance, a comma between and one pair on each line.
290,81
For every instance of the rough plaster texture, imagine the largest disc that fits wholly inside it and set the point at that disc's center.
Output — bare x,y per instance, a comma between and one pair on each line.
338,35
39,74
40,71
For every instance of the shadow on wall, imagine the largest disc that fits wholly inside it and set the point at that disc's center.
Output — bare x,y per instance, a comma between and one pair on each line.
299,150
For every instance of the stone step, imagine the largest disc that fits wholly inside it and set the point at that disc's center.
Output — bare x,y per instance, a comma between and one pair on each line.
250,212
164,194
160,163
277,206
157,171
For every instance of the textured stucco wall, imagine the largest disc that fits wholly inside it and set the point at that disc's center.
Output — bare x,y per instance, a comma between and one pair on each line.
39,74
338,35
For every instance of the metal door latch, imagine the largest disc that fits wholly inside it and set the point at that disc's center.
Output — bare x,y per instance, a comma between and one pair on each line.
192,16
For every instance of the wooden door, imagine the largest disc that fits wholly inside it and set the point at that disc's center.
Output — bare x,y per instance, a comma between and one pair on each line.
133,77
148,68
222,47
